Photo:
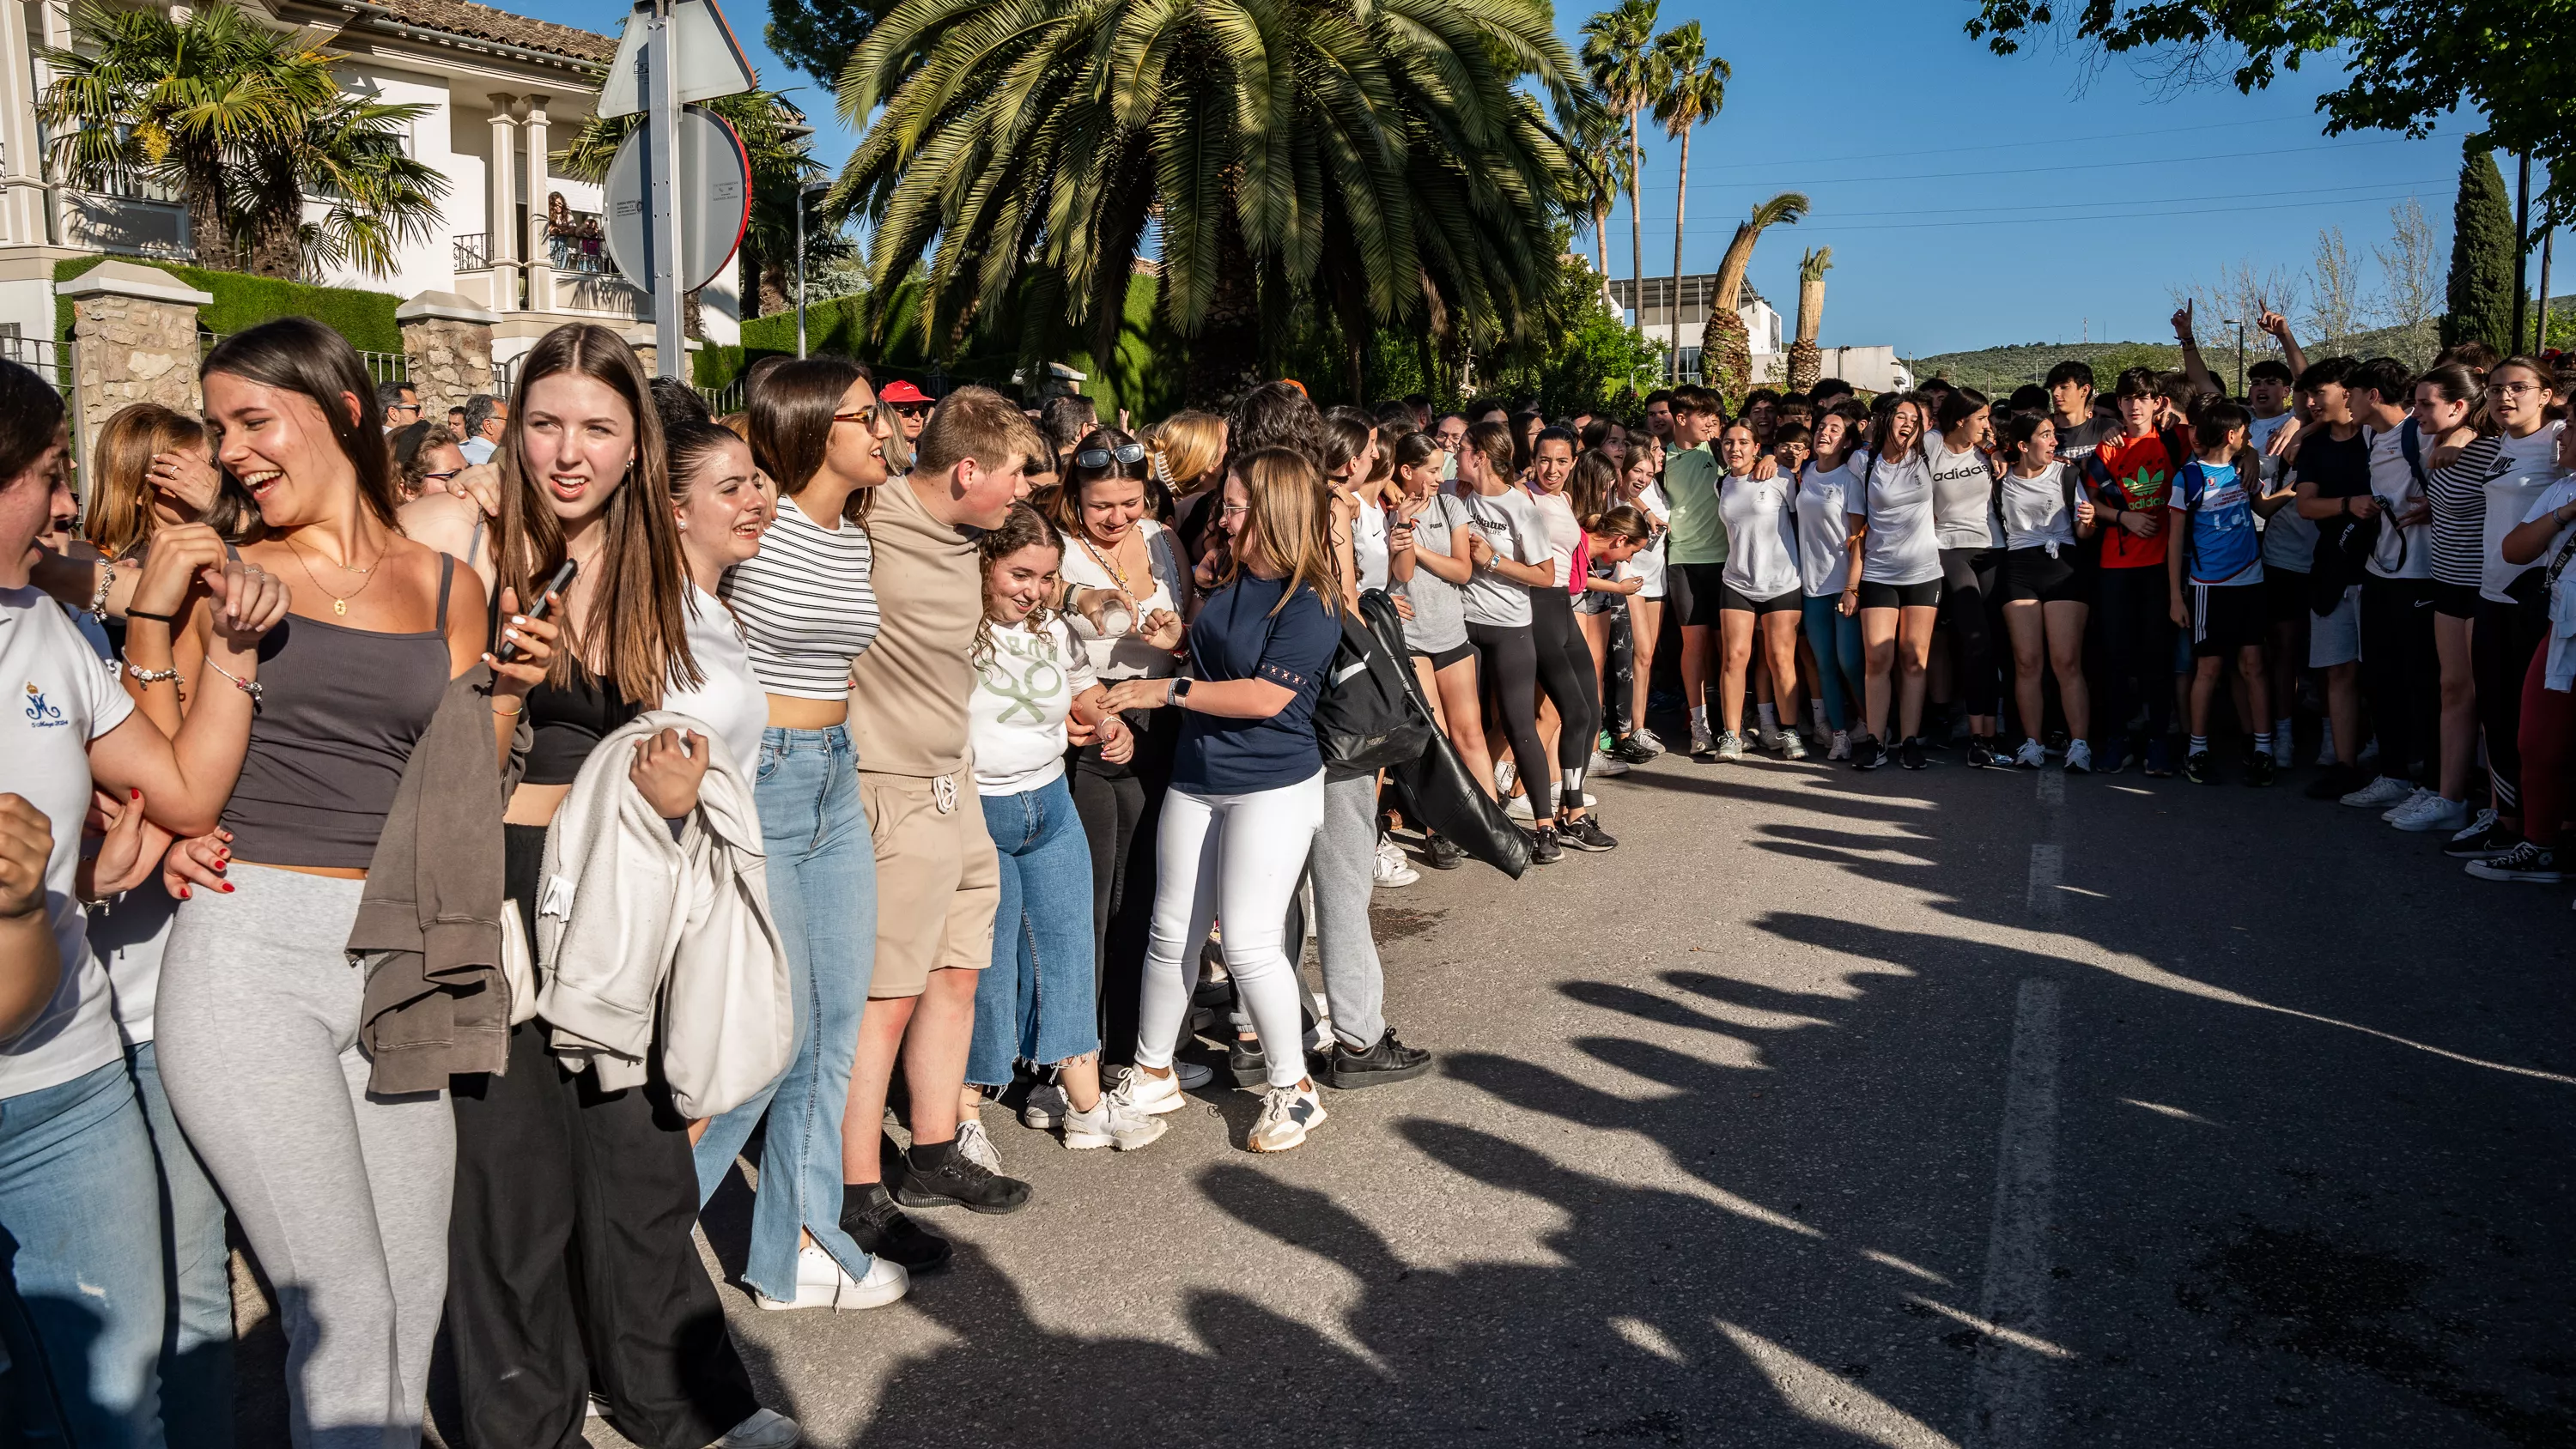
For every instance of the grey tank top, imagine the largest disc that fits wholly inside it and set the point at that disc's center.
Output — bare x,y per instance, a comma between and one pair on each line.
340,710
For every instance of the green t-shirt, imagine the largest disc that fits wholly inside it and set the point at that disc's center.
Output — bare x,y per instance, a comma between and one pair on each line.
1690,489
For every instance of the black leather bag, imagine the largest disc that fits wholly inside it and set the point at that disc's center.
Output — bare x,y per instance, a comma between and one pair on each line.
1365,720
1435,788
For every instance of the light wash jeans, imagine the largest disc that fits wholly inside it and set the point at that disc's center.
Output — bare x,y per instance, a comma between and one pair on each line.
1841,665
197,1340
81,1305
1036,1002
823,895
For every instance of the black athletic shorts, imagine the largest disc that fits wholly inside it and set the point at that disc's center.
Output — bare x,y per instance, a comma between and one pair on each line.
2224,617
2029,573
2285,594
1731,602
1692,591
2455,601
1446,657
1925,595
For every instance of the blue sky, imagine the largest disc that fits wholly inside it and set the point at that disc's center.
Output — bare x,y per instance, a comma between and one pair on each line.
1970,200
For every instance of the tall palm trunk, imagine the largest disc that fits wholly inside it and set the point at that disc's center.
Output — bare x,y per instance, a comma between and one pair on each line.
1636,223
1225,356
1681,197
277,230
208,236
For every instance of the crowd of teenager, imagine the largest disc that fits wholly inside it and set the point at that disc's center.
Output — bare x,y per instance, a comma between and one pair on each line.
452,853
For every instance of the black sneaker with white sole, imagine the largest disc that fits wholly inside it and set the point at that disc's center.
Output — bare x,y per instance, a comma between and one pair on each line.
883,1230
1910,753
2526,862
1583,833
2482,842
939,1175
1247,1063
1868,754
1385,1060
1543,847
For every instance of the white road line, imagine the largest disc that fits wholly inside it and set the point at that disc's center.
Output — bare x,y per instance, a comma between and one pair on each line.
2047,870
2052,788
2008,1390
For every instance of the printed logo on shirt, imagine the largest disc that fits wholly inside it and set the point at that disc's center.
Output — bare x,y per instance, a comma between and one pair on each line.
1029,689
41,713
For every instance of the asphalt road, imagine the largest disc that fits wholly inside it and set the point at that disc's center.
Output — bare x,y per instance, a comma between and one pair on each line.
1961,1107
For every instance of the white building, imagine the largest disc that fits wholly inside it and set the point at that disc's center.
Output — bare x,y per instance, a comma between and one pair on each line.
503,91
1762,329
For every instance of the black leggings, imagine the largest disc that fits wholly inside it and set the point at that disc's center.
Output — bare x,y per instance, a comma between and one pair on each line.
1968,601
2501,643
2401,675
1565,672
1507,664
1120,806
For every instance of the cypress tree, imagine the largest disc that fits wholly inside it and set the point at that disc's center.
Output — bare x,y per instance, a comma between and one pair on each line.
2484,255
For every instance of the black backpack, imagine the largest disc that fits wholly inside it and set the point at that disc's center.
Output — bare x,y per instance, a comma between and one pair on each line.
1364,718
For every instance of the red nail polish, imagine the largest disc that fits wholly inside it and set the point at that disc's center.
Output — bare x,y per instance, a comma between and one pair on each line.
228,887
135,794
184,893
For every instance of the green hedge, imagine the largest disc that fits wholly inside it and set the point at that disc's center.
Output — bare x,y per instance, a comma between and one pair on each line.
365,318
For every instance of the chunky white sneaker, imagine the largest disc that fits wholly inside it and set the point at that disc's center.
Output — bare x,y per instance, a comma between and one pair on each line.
1646,737
2413,798
1155,1095
976,1146
1608,766
820,1283
1393,870
1504,773
1046,1107
1730,746
766,1429
2382,792
1701,740
1769,736
2079,757
1112,1123
2432,812
2032,755
2479,824
1518,807
1792,747
1842,746
1287,1115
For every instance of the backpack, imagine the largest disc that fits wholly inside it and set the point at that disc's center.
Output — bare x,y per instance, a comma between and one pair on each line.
1364,717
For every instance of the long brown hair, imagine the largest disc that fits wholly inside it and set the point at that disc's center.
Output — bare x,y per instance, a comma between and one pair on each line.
791,424
117,515
1293,514
639,599
300,355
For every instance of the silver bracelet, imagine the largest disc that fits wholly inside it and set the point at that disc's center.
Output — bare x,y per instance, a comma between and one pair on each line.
98,598
246,686
149,676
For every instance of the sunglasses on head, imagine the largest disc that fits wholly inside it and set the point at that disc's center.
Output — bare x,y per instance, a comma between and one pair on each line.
1103,457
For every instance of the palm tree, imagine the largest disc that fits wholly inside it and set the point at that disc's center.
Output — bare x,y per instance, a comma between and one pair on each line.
1725,359
1804,360
1693,94
347,154
1600,174
1381,159
1619,55
140,98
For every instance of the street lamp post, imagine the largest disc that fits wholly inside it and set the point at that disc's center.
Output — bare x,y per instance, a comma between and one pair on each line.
803,191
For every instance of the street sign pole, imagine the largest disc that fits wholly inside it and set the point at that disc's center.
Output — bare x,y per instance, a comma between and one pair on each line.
662,124
800,269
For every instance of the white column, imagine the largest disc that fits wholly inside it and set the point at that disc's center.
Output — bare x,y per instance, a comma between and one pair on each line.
502,229
541,272
22,203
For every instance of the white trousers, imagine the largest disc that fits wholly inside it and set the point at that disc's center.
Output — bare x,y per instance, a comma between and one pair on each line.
1234,859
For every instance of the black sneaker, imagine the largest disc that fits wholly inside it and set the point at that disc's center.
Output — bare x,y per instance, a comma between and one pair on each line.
2482,842
1247,1063
1628,749
1387,1061
1980,753
2533,864
941,1176
2335,781
2195,767
1582,833
1543,847
1910,753
882,1230
1868,754
2259,769
1441,853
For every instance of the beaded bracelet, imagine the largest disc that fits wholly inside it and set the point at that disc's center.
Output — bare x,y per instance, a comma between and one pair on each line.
246,686
98,599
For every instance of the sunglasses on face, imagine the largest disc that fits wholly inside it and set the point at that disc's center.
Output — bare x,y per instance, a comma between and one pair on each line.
1103,457
911,410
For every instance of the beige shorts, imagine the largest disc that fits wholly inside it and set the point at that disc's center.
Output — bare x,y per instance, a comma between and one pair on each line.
938,878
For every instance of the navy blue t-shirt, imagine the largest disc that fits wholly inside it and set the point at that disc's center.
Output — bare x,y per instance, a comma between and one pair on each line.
1236,636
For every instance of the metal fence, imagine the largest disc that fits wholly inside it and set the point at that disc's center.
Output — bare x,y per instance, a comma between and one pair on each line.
48,358
382,367
470,251
725,399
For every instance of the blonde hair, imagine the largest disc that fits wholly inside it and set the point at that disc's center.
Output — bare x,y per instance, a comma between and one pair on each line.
1292,514
1184,449
118,515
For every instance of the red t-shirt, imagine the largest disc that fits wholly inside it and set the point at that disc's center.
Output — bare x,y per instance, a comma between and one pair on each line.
2143,472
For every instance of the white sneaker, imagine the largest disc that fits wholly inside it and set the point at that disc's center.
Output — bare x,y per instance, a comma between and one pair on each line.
2079,757
2413,798
2479,824
1646,737
766,1429
1393,870
1792,747
1504,773
2283,743
1608,766
1112,1123
1730,746
1518,808
820,1283
2369,753
1045,1108
1842,746
1153,1095
2382,792
1287,1115
1701,740
2325,749
2432,812
2032,755
976,1146
1768,736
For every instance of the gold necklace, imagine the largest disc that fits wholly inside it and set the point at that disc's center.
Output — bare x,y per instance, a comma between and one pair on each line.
339,602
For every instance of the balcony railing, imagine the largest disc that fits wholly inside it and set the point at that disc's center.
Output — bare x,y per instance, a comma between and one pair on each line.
471,251
579,243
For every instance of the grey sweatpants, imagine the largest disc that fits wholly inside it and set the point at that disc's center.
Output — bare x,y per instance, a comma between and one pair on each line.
343,1194
1344,867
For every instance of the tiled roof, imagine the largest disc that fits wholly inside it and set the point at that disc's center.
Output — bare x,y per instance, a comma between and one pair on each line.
482,22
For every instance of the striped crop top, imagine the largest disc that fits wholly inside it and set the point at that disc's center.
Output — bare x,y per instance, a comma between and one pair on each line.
805,605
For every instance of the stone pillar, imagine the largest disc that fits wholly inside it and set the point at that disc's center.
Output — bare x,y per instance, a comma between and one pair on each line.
448,341
541,272
501,235
134,333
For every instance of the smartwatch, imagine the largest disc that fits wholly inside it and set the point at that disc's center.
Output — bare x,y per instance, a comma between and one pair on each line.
1180,689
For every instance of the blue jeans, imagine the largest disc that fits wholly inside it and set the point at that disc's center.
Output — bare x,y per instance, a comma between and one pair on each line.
197,1285
1840,664
81,1307
1036,1002
823,895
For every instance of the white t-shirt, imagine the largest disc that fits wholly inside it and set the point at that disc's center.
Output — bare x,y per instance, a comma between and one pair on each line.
728,697
1015,717
1896,501
1127,655
1824,530
1963,497
2035,514
61,698
2559,672
1368,545
2401,553
1509,521
1564,535
1761,535
2289,541
1648,562
2525,469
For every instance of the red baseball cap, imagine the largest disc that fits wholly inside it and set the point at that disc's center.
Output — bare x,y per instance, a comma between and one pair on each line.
900,391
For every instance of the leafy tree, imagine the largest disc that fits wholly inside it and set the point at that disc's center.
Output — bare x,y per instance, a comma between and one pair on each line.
2483,255
347,154
1619,54
140,98
1381,161
1693,94
2407,63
